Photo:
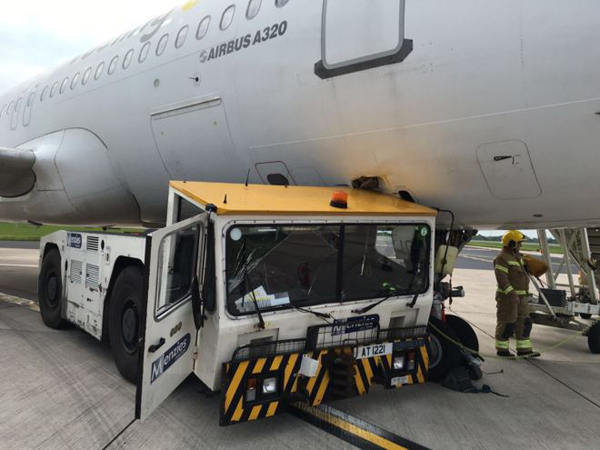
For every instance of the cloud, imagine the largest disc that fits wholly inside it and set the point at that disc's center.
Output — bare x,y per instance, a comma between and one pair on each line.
37,35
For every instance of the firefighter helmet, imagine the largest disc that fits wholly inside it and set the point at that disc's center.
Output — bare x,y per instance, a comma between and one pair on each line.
511,238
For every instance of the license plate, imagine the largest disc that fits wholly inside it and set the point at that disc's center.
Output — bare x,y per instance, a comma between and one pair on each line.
399,381
368,351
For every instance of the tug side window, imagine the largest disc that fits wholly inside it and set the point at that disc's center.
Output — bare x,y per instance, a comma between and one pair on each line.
176,268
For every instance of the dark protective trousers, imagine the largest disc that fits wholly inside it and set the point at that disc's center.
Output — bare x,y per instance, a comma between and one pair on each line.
513,318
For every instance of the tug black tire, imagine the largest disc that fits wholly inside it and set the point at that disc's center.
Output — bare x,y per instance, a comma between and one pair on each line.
464,331
585,316
124,314
443,354
50,290
594,338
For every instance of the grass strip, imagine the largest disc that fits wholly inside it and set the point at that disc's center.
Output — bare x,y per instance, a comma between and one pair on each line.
26,232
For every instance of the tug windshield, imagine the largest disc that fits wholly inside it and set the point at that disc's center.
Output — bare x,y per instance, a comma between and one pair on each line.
286,266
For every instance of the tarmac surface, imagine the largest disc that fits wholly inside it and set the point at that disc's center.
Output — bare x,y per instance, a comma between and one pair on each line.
60,389
19,269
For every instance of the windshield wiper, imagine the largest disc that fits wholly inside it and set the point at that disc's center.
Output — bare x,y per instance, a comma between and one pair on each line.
248,283
320,315
261,322
391,290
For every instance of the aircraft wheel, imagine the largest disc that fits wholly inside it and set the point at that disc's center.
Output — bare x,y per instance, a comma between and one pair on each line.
464,331
50,290
124,321
594,338
443,354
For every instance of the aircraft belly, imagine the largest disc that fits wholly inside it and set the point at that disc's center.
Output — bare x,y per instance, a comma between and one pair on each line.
452,164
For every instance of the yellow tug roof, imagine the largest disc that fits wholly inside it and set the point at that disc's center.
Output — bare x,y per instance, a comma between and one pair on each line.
263,199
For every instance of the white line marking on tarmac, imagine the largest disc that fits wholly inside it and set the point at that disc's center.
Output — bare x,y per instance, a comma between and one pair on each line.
477,259
19,265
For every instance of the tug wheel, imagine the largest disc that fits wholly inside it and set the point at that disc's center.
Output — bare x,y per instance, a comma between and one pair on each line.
585,316
594,338
443,354
464,331
50,290
124,321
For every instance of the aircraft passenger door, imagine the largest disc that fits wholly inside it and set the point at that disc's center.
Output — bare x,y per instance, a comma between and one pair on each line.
361,34
176,257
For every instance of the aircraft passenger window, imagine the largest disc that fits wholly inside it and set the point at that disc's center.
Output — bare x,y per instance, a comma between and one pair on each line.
44,93
99,71
181,37
144,52
253,9
162,44
227,18
281,3
53,90
203,28
86,76
28,106
64,84
113,65
127,59
74,81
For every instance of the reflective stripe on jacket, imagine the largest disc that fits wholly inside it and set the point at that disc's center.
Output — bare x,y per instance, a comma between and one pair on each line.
511,277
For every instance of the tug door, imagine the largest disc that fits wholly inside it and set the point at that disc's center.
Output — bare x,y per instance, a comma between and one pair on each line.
176,257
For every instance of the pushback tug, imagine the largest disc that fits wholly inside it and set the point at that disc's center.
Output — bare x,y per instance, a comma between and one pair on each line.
268,294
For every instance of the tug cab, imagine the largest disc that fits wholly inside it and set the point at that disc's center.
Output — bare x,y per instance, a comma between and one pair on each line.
273,295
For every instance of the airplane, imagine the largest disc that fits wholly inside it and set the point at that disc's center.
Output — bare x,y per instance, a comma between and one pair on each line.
488,109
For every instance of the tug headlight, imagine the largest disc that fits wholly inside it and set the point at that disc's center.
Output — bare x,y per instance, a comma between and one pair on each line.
399,362
269,386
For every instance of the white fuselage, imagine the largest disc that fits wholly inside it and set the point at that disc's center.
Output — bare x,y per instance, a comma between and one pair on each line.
492,115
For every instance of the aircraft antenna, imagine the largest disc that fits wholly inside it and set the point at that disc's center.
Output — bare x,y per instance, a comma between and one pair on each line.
248,176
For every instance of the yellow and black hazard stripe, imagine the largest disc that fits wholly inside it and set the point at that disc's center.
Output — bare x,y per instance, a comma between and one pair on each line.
316,386
368,369
234,408
351,429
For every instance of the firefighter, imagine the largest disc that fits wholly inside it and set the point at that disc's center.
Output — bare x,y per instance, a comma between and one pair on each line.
512,297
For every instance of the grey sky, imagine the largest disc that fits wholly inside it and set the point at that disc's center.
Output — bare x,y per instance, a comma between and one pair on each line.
38,35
